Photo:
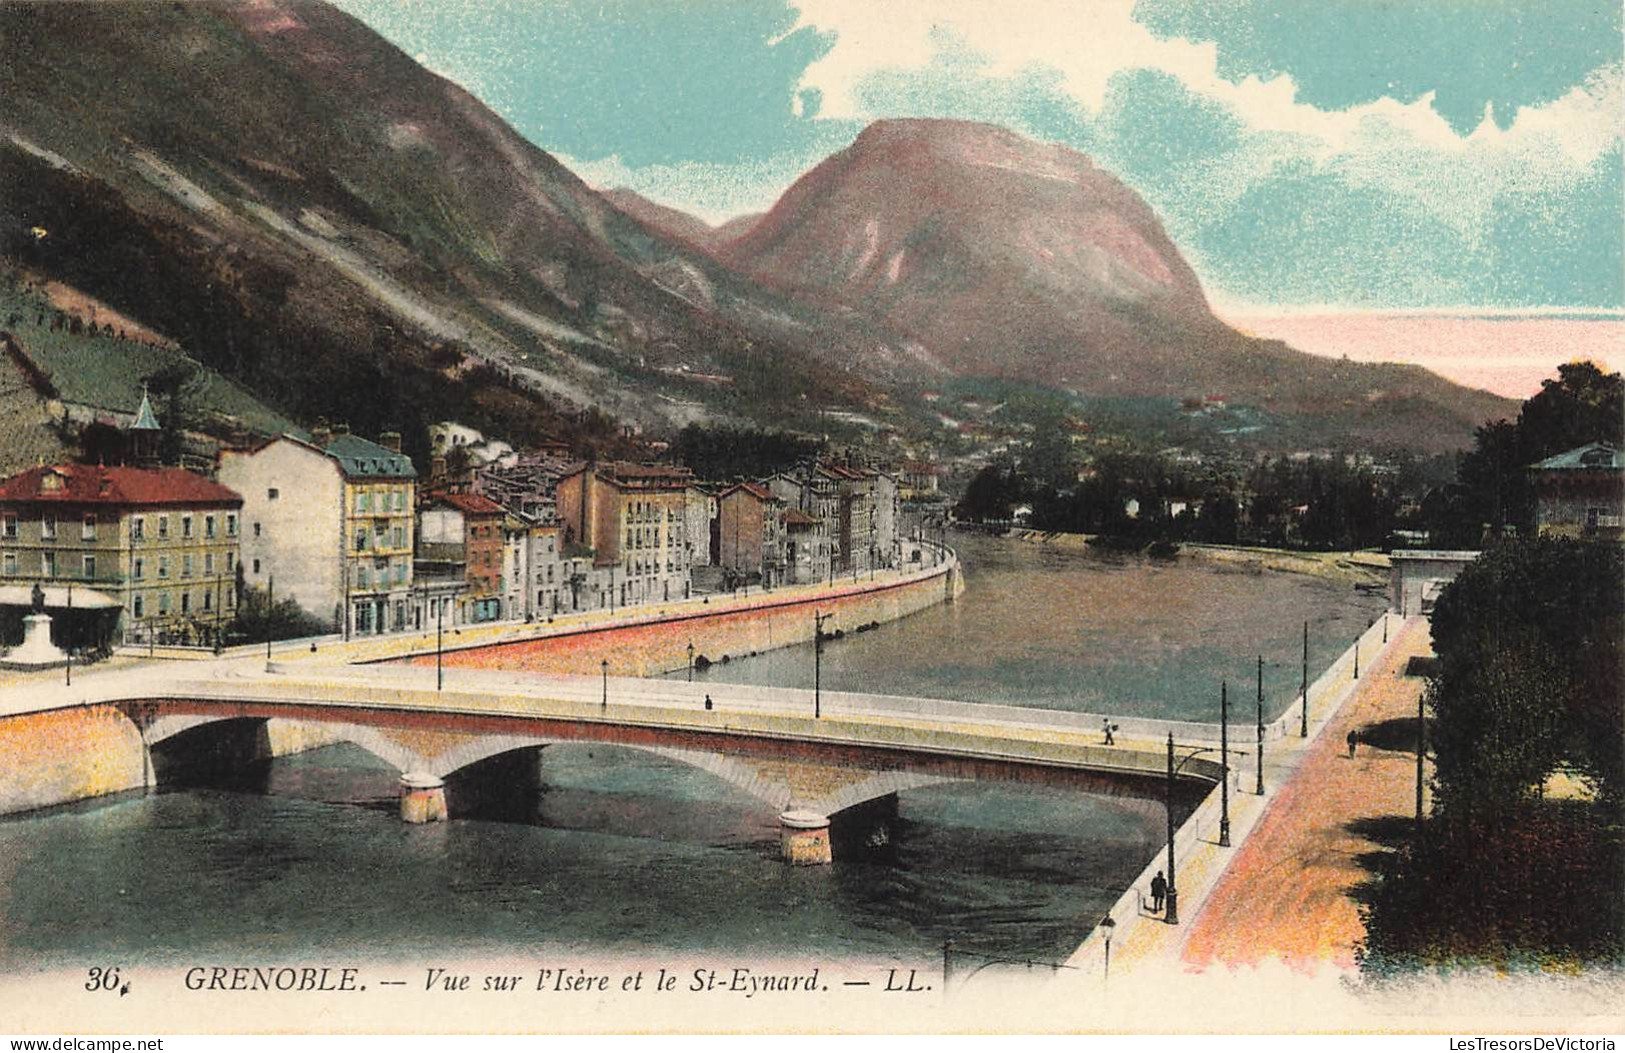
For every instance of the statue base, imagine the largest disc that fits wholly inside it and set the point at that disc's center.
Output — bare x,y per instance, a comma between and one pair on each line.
36,651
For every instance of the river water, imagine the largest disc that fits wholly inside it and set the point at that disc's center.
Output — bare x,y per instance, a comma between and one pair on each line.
625,853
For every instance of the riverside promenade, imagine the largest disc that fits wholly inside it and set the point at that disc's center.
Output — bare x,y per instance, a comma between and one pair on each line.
1280,890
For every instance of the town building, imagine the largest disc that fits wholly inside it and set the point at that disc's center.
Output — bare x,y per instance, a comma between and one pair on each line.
633,520
750,528
815,493
331,522
466,531
119,553
1581,493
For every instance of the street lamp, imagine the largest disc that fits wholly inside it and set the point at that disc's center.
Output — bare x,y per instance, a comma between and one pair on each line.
270,606
1260,725
67,625
439,643
818,657
1303,728
1224,764
691,661
604,667
1107,926
1171,912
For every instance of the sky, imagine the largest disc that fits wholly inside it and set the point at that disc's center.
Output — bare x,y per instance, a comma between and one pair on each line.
1350,154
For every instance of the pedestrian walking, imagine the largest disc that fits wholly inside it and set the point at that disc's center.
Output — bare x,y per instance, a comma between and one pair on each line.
1159,892
1108,727
1353,740
708,702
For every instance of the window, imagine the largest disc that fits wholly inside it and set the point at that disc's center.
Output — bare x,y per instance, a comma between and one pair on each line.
139,608
163,566
8,564
208,601
186,603
163,526
363,501
400,573
138,528
48,563
231,524
186,566
87,531
256,529
8,526
256,567
229,562
272,494
186,526
163,603
400,500
47,528
90,568
400,537
363,576
139,569
208,564
208,526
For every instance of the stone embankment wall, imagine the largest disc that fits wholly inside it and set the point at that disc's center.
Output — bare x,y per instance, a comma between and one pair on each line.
60,755
728,627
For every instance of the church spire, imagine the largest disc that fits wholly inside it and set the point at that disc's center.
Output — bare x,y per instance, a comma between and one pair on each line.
145,420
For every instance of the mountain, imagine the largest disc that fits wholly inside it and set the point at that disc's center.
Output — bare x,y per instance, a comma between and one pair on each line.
301,207
678,224
1007,258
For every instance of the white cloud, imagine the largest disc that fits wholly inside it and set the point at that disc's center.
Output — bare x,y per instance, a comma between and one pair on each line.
1406,146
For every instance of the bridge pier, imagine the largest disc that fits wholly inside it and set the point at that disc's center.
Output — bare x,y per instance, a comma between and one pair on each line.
423,798
804,837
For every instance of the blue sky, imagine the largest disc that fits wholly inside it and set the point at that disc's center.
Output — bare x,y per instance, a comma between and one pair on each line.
1342,152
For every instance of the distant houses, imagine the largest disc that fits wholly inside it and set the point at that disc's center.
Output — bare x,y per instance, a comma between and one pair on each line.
1581,493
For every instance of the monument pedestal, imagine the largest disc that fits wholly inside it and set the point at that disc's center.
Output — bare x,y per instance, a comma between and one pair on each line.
36,651
804,838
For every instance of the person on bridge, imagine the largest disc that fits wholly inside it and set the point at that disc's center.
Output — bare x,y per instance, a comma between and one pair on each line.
1159,892
1353,740
708,702
1108,727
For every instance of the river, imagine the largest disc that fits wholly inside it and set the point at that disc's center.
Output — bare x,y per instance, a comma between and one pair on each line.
627,853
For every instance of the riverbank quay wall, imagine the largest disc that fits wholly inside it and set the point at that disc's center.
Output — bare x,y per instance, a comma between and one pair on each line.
97,738
719,627
1141,937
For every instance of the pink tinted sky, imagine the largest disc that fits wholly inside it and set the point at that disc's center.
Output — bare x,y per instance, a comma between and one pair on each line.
1504,353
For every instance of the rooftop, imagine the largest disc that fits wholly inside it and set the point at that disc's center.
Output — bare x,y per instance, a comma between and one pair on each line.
79,484
1593,456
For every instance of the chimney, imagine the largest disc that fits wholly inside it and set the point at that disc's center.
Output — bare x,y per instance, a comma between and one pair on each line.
341,429
321,435
390,440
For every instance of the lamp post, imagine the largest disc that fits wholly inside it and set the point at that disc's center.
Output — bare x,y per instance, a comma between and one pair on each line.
1260,725
439,643
1303,728
818,660
270,605
691,661
65,627
603,666
1356,658
1224,764
1171,911
1421,750
1107,927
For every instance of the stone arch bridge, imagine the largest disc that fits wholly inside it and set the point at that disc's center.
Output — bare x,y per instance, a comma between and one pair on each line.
766,742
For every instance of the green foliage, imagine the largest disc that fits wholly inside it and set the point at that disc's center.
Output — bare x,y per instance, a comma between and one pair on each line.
1529,640
1530,633
724,453
1493,491
285,620
1538,890
991,494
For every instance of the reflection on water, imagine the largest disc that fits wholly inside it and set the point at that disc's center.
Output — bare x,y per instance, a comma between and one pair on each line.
1128,635
621,852
624,852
